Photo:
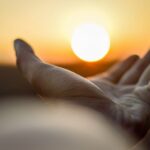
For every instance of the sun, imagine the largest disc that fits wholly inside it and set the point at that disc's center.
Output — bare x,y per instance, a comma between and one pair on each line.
90,42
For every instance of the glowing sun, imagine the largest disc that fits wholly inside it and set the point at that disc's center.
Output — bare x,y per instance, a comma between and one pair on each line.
90,42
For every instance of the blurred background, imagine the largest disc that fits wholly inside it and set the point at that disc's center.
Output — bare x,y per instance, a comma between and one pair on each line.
48,26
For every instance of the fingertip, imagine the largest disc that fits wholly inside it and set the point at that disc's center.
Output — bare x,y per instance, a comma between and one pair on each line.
18,41
134,57
131,59
20,45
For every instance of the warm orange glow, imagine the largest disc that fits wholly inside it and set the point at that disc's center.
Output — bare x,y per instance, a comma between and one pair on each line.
90,42
48,26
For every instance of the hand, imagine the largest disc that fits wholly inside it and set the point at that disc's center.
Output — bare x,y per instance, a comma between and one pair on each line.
123,95
127,84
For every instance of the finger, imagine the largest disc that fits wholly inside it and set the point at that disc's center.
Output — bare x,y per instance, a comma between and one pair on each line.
116,72
133,75
55,82
145,78
46,78
26,58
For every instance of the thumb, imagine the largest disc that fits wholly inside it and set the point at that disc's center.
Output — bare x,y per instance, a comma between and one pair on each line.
55,82
27,61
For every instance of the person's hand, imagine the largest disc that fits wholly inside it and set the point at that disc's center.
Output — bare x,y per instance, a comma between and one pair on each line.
127,84
123,95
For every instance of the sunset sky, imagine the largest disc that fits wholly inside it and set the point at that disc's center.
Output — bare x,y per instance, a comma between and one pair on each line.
48,26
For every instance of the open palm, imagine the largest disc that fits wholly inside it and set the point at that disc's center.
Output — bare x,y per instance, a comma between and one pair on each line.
121,94
127,85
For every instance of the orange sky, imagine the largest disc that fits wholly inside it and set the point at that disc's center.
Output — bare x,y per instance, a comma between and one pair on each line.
48,26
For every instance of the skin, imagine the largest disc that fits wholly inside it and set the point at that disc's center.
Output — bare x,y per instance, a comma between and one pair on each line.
121,94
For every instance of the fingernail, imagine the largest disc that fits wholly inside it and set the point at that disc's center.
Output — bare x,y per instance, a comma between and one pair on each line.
20,44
